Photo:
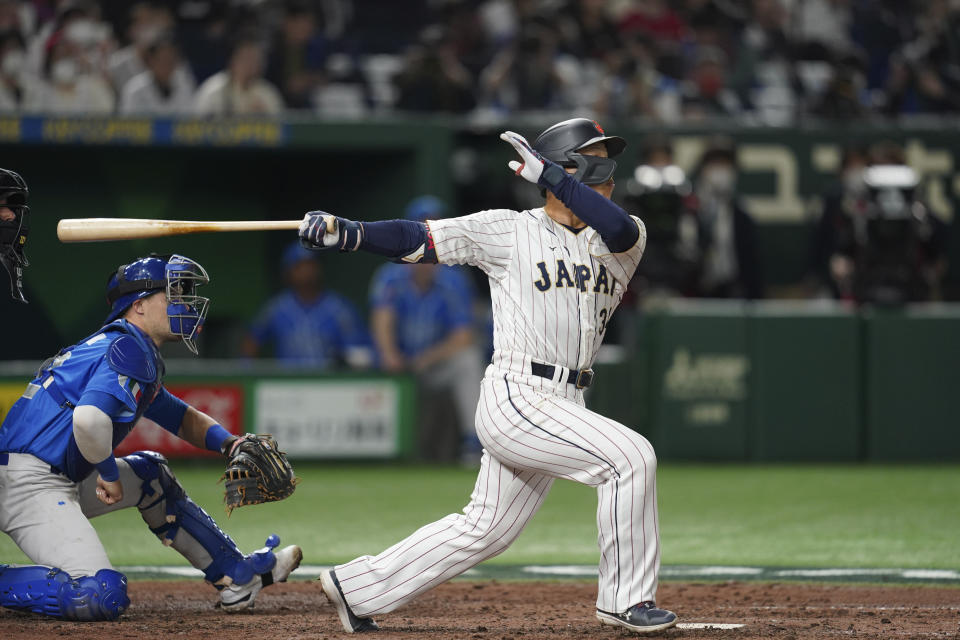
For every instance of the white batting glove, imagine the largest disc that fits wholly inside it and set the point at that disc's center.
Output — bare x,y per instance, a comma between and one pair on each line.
319,230
532,166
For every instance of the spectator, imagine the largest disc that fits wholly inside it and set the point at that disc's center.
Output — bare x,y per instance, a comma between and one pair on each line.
704,93
240,89
71,82
660,192
925,73
306,325
433,79
763,74
835,237
825,22
81,18
629,81
525,74
297,56
654,18
422,323
162,89
586,29
878,241
12,75
148,22
728,235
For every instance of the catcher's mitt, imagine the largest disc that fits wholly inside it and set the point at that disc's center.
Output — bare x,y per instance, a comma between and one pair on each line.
257,471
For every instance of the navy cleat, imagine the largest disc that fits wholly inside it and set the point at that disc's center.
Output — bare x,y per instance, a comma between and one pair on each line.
351,622
640,618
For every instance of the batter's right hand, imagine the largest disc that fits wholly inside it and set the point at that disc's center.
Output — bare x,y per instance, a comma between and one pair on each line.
532,166
109,492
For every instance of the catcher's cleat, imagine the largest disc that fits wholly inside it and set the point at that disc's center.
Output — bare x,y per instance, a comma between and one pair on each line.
235,597
351,622
640,618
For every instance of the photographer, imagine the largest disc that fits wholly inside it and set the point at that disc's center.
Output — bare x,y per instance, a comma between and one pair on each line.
877,241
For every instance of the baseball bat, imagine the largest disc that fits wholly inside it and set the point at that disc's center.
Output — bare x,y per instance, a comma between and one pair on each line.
104,229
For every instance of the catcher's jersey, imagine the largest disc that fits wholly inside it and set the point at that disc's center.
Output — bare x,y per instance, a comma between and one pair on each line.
553,289
41,421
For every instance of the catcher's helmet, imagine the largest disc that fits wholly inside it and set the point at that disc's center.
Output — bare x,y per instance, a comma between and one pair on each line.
561,142
13,233
178,276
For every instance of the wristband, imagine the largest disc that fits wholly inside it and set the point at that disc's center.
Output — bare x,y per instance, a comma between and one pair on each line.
108,469
215,437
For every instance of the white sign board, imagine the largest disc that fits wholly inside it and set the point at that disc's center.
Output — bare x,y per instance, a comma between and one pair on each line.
325,419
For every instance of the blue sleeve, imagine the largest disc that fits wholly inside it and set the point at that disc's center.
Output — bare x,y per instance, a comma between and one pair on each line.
397,239
167,410
615,226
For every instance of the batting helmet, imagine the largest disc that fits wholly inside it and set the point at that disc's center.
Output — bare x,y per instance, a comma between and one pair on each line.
13,232
561,142
178,276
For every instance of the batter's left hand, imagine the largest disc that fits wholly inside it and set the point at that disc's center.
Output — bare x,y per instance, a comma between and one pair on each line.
109,492
318,230
532,166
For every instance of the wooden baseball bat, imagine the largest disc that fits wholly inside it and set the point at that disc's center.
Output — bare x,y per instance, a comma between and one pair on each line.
104,229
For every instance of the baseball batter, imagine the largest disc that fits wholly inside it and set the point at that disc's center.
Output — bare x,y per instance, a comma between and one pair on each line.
57,467
556,275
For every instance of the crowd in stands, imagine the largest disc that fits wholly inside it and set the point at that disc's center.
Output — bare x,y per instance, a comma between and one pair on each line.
763,61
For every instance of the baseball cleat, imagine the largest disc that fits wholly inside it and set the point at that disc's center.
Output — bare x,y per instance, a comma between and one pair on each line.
235,598
640,618
351,622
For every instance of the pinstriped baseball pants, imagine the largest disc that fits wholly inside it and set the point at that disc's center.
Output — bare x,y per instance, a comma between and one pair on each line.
530,437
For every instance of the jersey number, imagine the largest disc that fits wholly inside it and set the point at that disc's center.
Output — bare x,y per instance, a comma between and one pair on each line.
603,321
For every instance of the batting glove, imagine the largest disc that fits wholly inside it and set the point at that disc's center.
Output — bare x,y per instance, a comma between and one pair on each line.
534,168
320,230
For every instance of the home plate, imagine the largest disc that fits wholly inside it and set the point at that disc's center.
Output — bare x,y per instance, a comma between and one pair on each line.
708,625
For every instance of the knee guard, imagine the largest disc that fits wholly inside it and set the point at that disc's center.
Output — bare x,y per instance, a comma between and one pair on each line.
53,592
159,484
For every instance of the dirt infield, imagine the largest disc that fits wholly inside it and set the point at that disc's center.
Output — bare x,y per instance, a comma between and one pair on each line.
492,610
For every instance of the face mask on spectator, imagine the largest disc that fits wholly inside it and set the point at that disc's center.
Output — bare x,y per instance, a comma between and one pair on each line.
86,33
147,34
853,183
64,71
12,63
718,181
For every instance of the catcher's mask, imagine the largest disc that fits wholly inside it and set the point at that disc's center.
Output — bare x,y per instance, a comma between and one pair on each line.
13,233
178,277
561,142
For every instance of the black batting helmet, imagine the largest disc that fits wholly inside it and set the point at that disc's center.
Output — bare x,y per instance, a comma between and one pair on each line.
561,142
13,232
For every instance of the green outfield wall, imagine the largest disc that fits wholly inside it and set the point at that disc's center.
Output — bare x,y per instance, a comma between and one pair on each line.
785,381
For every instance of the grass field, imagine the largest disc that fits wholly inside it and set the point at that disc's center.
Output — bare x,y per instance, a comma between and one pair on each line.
818,516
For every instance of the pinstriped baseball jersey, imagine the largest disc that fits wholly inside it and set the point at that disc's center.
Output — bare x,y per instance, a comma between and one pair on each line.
553,290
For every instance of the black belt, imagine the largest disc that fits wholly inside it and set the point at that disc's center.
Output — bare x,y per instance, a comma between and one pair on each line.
581,379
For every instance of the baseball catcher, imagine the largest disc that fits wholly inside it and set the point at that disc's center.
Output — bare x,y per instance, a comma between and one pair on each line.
58,469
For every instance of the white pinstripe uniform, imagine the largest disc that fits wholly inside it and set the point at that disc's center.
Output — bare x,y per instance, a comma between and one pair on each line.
553,291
